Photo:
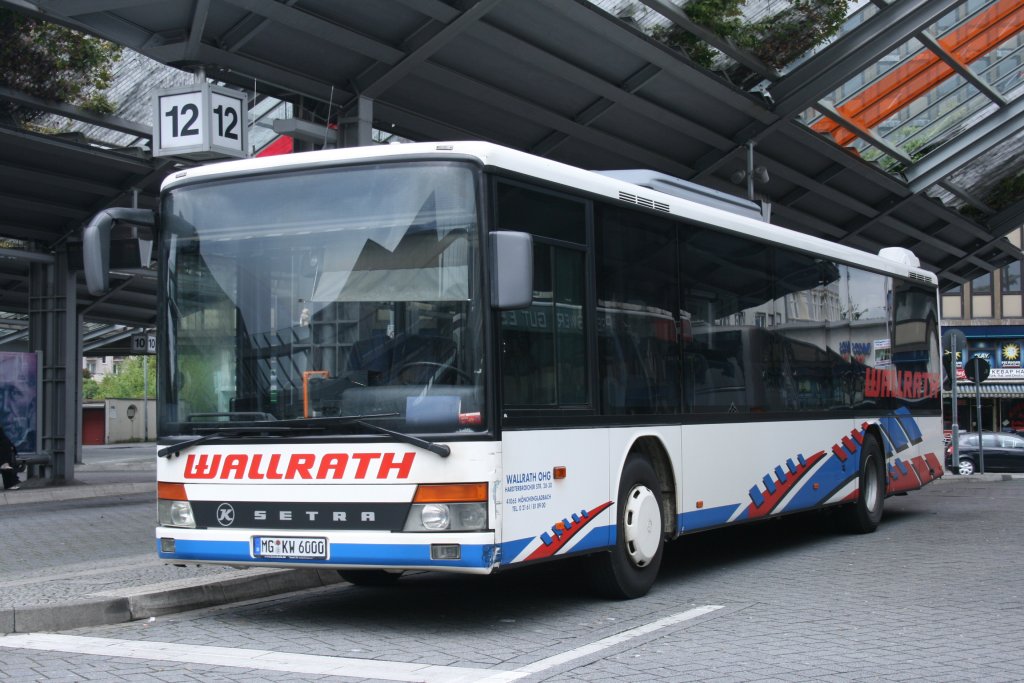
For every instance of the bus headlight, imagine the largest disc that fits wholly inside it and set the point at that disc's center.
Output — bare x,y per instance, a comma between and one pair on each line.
448,507
436,516
447,517
175,513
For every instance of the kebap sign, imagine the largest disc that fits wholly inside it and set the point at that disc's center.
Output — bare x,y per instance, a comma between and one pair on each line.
200,121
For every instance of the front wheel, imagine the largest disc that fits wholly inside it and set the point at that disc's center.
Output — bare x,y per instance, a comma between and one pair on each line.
863,516
629,570
966,466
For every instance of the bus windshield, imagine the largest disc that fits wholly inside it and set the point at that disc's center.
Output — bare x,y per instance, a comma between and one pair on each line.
334,292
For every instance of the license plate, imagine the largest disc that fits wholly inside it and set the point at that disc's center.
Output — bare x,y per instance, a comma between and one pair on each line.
289,547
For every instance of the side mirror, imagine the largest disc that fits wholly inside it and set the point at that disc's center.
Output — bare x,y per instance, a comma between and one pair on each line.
96,246
511,269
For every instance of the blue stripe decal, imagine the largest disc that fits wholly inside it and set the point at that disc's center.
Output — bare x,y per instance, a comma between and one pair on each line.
698,519
341,553
595,538
832,473
510,549
909,425
755,495
892,429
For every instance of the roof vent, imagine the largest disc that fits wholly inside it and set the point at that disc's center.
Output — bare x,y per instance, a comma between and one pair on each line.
900,255
643,201
659,182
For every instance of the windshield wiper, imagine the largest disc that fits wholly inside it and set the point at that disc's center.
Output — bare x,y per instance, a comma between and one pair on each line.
439,448
300,424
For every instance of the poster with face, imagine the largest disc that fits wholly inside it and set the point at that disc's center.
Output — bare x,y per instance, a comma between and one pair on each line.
19,387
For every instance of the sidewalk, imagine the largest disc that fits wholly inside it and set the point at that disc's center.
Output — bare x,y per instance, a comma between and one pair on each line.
83,554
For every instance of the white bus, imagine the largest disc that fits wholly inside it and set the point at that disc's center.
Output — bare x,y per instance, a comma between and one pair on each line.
460,357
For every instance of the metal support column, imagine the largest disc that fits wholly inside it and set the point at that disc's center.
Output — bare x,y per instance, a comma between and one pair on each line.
54,331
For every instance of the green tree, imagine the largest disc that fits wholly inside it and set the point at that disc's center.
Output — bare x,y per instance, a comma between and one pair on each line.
53,63
129,382
90,387
776,40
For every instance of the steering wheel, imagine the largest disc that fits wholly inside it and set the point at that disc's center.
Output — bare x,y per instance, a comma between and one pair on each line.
440,369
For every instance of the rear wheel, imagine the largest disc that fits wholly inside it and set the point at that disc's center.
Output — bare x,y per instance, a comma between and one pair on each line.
370,577
863,516
629,570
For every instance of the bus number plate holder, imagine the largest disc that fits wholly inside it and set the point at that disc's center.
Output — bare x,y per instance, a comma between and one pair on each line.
289,547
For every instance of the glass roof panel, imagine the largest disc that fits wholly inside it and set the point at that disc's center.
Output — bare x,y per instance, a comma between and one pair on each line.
950,77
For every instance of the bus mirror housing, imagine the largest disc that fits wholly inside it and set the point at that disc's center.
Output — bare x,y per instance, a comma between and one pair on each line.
100,252
511,269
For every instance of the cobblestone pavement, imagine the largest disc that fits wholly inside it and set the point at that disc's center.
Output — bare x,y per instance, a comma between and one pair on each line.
935,594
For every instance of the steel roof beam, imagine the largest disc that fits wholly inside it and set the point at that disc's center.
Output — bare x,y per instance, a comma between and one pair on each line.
72,111
429,47
42,206
285,79
966,146
1007,219
72,8
956,65
316,27
628,38
200,13
595,109
957,191
236,37
863,133
58,180
495,96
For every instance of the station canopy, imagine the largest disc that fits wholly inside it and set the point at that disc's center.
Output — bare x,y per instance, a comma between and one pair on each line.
902,129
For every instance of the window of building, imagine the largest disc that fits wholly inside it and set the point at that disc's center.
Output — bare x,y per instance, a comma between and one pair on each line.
981,296
1010,278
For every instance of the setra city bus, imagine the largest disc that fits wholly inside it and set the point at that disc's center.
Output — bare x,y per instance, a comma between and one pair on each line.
464,358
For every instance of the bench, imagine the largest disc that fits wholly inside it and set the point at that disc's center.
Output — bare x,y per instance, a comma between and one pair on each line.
31,460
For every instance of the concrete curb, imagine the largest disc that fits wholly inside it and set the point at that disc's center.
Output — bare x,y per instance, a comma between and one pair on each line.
57,493
145,602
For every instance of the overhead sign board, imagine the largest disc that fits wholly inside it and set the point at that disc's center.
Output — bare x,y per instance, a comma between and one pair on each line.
200,121
143,343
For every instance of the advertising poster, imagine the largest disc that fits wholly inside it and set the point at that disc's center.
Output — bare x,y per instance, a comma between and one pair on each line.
19,406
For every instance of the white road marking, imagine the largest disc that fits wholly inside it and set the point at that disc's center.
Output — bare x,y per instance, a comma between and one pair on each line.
611,641
268,660
264,660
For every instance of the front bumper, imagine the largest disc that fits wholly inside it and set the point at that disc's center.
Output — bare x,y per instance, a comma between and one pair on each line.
346,550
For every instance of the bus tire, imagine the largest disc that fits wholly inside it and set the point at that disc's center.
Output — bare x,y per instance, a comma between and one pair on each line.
864,515
370,577
629,570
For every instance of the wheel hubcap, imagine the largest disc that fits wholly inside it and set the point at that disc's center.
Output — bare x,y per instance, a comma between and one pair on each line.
642,525
870,492
966,467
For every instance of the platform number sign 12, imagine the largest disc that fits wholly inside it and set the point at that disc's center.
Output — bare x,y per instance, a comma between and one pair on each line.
200,121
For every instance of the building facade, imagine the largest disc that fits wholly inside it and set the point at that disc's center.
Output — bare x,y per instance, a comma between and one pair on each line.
990,312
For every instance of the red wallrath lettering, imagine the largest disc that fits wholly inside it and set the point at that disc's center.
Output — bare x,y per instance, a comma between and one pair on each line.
906,385
256,467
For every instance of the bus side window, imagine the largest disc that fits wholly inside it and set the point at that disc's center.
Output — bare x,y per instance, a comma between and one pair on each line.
638,317
543,347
